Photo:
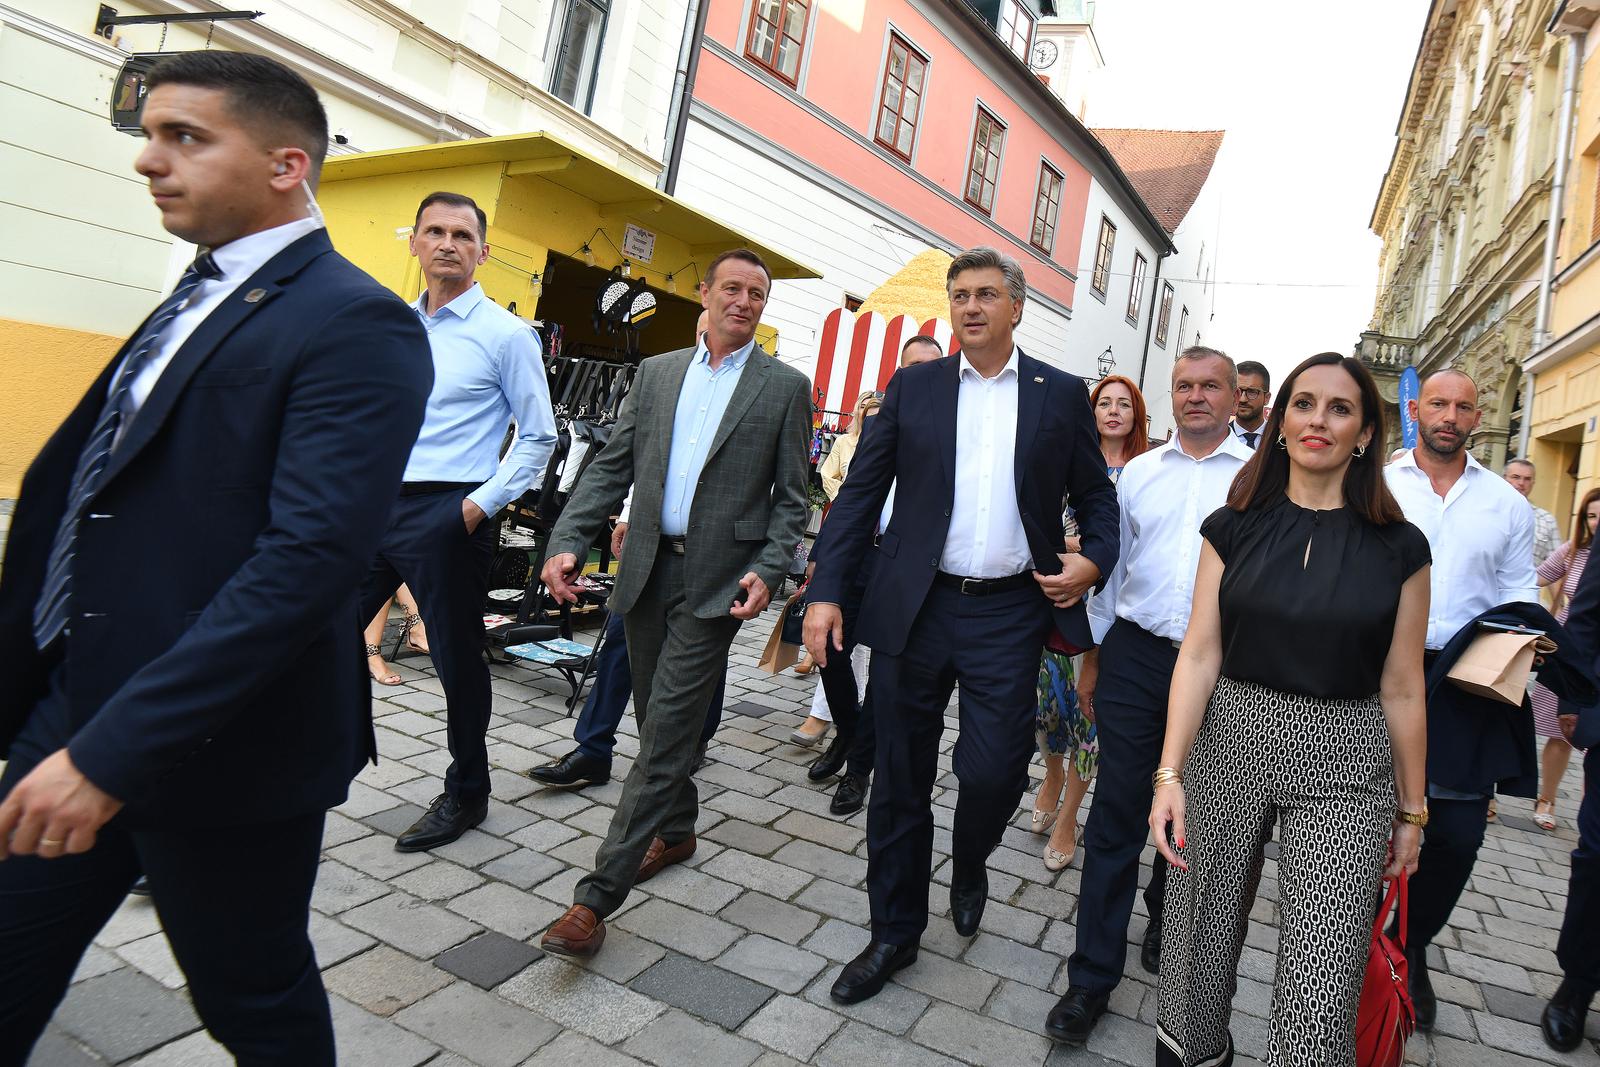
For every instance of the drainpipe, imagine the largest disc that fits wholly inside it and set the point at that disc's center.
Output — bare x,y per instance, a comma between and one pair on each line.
1552,233
694,32
1150,323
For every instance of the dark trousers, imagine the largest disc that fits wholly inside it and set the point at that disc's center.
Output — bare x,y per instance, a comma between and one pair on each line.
1130,718
839,677
991,646
1578,951
596,730
234,902
1449,849
428,548
677,659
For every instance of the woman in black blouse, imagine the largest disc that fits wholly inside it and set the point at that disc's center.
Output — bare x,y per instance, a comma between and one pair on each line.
1297,701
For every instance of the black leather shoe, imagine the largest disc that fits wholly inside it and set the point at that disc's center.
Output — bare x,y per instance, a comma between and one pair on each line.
1565,1015
1422,998
1072,1020
444,821
851,795
831,762
699,759
1150,951
140,888
969,892
572,771
863,976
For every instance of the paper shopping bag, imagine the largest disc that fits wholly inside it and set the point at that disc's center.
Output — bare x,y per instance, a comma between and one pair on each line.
779,655
1496,665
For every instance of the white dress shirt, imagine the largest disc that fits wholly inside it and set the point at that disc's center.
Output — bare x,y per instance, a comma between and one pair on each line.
1164,496
237,260
1481,535
986,538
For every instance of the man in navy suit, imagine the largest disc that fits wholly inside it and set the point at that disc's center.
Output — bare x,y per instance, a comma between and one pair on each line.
982,449
184,692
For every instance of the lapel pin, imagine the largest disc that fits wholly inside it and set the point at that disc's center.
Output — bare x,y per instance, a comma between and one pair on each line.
1039,380
255,295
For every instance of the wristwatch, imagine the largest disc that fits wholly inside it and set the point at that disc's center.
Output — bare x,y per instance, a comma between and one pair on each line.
1419,819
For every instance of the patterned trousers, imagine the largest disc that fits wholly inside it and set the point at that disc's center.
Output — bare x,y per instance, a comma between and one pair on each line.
1322,771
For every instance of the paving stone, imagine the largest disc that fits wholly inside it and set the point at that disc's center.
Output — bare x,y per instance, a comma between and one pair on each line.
840,902
376,856
1448,1052
792,1026
753,872
580,1000
338,829
830,863
856,1044
438,880
1020,1005
748,837
340,888
761,914
523,868
824,831
363,800
473,849
894,1008
678,1040
56,1049
124,1013
543,835
947,980
196,1050
772,963
976,1039
153,956
1506,975
134,918
1011,960
420,928
366,1040
384,980
488,959
1125,1041
333,941
507,909
96,960
1523,1039
703,990
680,928
478,1025
576,1050
750,809
684,885
625,957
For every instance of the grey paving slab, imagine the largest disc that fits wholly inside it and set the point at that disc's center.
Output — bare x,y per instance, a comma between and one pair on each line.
581,1000
575,1050
682,929
978,1039
894,1009
340,888
676,1039
703,990
762,914
791,1026
124,1013
488,959
333,941
772,963
478,1025
367,1040
383,980
437,880
418,927
196,1050
507,909
56,1048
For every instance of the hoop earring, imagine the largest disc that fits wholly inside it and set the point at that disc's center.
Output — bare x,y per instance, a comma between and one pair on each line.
1361,450
1283,443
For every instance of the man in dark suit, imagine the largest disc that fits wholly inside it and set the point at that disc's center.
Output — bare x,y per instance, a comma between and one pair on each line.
184,694
1578,950
982,449
713,441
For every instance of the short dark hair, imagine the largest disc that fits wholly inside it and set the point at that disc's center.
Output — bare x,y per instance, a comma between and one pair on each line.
454,200
922,339
1202,352
262,93
1250,366
1264,480
738,253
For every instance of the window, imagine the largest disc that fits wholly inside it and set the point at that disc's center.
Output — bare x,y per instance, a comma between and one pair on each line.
583,26
1016,28
983,170
1046,208
852,302
1100,281
1136,288
1183,327
900,103
1164,316
777,36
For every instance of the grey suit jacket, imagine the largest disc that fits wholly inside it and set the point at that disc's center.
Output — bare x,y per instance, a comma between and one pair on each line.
749,509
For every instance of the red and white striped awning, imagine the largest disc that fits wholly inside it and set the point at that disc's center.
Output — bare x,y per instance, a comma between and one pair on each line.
859,355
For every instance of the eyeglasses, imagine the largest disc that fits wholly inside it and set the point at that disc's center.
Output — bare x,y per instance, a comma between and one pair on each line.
1252,394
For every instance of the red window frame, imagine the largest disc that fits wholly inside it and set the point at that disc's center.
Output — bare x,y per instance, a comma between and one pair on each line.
988,138
1164,318
903,111
1136,289
1047,208
1104,247
774,18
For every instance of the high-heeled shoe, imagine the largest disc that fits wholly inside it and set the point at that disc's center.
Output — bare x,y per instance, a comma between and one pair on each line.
1544,815
1056,860
1043,821
387,679
414,622
805,666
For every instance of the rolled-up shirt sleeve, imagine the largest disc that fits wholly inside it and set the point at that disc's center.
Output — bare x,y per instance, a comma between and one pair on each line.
522,379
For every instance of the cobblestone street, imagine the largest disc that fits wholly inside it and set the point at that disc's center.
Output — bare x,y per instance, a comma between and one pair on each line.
727,960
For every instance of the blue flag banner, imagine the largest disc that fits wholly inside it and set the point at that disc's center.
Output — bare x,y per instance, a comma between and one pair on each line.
1410,389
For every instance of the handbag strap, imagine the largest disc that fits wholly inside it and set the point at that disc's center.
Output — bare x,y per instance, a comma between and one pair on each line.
1397,896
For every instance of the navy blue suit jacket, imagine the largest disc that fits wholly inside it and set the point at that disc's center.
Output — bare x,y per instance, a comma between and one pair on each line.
912,444
213,669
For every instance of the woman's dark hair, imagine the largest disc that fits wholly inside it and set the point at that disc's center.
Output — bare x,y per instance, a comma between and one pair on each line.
1265,479
1581,536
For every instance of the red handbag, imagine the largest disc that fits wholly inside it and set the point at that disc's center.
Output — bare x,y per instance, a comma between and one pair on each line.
1386,1018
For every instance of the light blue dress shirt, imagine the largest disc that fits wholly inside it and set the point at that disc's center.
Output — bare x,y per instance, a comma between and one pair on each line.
487,371
701,404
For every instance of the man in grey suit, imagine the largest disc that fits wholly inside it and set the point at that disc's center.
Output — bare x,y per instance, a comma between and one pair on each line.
713,440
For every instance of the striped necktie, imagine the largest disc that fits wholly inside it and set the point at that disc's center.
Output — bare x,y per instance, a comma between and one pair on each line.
51,610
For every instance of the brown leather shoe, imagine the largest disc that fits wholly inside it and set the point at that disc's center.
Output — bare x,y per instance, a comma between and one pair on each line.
659,856
580,932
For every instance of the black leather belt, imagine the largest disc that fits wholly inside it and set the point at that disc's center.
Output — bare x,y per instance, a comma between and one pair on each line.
983,586
673,545
419,488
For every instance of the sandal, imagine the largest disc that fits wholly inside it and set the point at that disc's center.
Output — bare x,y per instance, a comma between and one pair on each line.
1544,815
414,622
390,678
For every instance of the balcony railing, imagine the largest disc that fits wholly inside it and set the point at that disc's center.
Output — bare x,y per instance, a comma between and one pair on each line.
1385,354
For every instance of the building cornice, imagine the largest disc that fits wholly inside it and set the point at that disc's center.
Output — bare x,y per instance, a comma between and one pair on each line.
1575,342
32,25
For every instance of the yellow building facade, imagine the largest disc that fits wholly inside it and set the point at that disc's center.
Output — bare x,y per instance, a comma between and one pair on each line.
1464,207
1565,418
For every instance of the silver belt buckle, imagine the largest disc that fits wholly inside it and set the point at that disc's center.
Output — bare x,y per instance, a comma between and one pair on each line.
971,592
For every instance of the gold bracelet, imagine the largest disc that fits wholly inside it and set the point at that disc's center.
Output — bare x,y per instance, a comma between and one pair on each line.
1166,776
1419,819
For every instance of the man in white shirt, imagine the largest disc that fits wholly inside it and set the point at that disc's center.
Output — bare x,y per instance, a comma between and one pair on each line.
1481,532
1546,533
1138,621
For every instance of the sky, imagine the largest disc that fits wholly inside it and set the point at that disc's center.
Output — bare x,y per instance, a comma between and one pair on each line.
1309,95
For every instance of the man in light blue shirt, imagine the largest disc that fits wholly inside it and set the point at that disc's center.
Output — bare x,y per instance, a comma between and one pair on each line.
487,373
701,404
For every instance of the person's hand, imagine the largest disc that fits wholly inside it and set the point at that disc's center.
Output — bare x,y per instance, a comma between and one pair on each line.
1088,675
756,597
1569,725
471,514
1404,845
1078,573
618,536
54,811
557,569
1167,809
1074,545
824,621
